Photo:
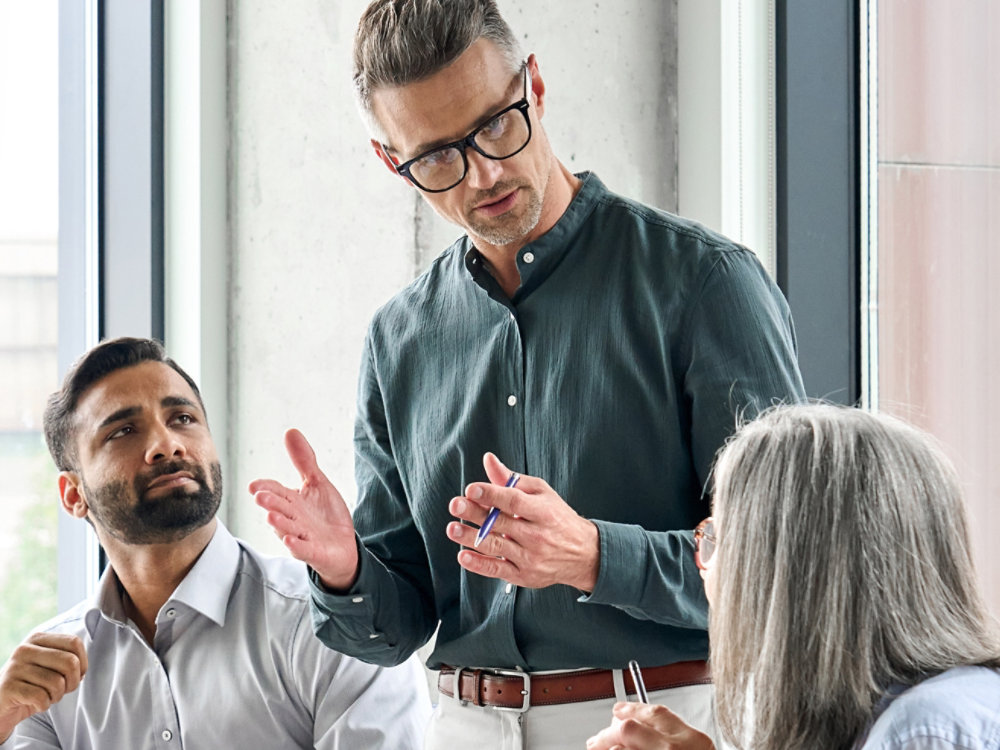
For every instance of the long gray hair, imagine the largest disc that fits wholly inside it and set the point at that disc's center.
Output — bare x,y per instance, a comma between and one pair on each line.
843,566
403,41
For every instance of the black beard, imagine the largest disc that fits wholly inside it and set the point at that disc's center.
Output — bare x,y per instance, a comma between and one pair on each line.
130,517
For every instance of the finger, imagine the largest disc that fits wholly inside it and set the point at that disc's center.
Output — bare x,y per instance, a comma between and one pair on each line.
508,500
38,686
283,526
269,485
625,710
496,471
495,544
31,696
61,642
55,653
607,739
637,734
488,567
299,548
273,502
471,512
656,715
303,456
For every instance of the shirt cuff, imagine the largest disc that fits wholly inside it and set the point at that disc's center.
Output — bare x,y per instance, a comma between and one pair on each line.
620,574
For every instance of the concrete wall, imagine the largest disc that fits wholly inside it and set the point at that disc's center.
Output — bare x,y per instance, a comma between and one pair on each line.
321,234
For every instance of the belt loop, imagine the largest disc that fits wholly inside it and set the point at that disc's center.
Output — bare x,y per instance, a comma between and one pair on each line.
618,678
457,687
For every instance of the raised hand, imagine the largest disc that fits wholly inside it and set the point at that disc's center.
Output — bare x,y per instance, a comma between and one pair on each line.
38,674
313,522
642,726
537,541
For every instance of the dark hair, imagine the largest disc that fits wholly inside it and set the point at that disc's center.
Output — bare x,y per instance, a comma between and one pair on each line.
104,359
398,42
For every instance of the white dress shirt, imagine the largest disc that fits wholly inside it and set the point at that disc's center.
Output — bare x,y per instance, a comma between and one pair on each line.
234,664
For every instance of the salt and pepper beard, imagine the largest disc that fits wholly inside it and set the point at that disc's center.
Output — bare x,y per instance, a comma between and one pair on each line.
505,229
123,511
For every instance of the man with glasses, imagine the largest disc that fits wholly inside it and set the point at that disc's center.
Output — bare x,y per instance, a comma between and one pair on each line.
599,347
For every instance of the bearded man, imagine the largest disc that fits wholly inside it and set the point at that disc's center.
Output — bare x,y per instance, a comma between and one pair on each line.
193,640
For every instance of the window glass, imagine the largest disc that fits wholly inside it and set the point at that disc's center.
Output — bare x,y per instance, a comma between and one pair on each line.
938,299
28,307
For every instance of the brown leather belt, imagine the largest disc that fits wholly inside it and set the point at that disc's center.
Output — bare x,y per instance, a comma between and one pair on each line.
519,690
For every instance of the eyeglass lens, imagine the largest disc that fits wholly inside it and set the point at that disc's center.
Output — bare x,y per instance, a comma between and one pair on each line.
500,138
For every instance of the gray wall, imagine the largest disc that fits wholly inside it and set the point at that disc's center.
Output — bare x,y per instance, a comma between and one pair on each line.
321,234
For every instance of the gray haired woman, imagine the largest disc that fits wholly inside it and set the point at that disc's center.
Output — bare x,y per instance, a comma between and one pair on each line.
845,611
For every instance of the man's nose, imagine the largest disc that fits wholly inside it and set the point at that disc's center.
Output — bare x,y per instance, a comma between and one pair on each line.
483,172
164,444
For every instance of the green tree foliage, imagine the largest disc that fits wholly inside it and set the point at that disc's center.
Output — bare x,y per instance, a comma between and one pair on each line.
28,582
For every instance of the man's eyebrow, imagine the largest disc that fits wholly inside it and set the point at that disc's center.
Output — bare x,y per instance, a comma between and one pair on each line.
127,413
178,401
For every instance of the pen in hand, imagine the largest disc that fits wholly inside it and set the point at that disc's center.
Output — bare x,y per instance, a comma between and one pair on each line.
491,517
640,686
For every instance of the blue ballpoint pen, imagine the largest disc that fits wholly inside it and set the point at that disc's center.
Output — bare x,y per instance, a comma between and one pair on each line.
491,517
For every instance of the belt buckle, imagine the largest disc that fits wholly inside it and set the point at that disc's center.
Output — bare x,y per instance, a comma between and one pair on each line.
525,690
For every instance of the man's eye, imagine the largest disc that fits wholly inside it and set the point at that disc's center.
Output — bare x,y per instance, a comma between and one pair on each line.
494,128
184,419
122,432
440,158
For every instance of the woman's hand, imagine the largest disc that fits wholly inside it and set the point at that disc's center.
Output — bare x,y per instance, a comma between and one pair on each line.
642,726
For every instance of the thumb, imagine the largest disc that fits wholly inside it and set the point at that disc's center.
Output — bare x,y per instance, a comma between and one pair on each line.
302,455
496,471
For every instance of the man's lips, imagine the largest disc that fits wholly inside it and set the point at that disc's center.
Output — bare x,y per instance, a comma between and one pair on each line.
497,206
175,479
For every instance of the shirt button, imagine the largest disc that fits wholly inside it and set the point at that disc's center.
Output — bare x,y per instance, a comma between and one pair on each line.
508,588
171,613
358,599
528,257
167,735
511,400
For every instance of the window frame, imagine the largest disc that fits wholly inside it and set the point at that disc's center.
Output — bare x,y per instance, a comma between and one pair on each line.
110,278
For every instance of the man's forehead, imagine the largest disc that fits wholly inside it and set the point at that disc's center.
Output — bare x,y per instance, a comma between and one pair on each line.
135,386
445,106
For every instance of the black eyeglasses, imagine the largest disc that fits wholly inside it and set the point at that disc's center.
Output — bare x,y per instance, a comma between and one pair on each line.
503,135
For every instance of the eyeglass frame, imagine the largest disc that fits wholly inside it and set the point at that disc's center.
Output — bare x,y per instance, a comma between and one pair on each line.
699,534
470,141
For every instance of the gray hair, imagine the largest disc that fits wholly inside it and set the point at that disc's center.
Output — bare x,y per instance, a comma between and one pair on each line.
403,41
843,567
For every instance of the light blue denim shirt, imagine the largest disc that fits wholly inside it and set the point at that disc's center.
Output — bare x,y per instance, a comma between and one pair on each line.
956,709
234,664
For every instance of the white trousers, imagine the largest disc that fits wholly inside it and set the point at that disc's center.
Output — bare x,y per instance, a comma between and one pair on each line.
565,726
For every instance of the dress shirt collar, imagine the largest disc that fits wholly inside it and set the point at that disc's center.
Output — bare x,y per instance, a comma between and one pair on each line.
205,589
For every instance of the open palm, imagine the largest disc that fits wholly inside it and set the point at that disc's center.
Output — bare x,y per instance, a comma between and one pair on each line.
313,522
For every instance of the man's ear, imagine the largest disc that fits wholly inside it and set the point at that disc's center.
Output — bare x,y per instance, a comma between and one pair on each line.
537,85
74,501
389,161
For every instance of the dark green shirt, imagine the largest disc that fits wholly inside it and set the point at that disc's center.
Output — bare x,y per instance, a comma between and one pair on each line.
634,343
